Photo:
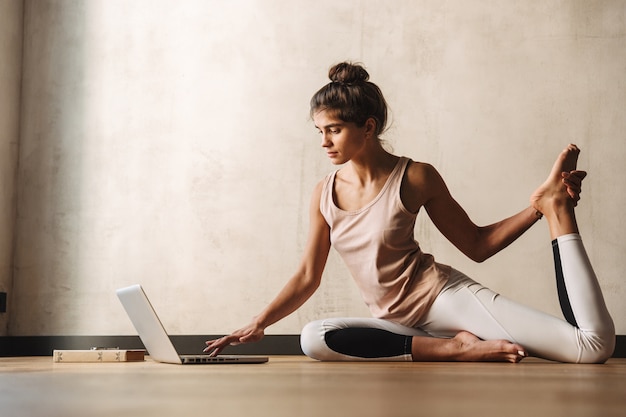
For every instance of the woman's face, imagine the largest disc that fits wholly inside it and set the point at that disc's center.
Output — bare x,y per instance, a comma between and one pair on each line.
342,140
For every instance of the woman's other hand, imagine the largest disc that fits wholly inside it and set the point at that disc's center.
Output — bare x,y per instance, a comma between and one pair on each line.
248,334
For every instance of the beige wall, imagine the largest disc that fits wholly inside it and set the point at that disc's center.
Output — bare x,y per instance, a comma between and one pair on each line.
168,143
10,70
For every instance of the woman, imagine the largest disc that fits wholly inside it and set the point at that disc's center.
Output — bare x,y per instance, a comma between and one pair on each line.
423,310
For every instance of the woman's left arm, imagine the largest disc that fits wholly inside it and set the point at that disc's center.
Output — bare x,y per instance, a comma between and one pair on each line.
478,243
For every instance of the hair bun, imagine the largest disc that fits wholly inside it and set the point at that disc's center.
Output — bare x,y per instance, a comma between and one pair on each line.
348,73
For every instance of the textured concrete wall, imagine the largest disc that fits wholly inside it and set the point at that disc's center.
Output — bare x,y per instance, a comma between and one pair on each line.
168,143
10,70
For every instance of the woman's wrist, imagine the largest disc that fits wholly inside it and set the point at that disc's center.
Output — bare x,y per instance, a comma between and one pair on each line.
260,321
536,214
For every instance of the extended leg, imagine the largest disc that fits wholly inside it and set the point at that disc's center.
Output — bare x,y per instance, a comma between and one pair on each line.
467,305
580,295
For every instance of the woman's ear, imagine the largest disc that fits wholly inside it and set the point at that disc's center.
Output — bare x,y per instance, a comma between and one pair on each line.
370,127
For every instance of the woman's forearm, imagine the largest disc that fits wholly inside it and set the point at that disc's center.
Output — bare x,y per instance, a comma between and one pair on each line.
493,238
295,293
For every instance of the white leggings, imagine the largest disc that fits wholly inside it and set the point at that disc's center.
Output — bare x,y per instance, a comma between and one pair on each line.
588,337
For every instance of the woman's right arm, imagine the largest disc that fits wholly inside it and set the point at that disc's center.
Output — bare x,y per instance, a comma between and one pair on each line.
298,289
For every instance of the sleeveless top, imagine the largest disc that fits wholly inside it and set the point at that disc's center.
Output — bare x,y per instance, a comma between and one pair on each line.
398,282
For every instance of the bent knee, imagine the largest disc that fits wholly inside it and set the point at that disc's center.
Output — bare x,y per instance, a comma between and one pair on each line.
598,349
312,341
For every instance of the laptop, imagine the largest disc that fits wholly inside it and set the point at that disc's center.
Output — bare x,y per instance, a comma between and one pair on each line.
155,338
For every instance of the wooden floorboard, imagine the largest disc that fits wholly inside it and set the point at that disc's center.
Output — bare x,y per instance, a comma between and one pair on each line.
297,386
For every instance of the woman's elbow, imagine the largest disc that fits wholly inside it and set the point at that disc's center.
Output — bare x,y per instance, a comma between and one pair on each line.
478,254
478,258
482,247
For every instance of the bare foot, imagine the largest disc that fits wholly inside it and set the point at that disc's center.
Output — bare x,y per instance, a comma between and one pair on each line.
553,191
473,349
553,199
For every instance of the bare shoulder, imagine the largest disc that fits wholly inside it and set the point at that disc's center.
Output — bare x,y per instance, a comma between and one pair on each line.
420,183
422,175
316,194
319,230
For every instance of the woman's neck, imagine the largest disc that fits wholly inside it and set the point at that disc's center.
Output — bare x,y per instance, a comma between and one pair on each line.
372,165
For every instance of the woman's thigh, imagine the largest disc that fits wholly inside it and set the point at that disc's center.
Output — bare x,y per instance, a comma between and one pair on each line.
467,305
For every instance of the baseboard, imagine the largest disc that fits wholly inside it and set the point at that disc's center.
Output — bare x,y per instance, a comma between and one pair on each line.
185,344
270,345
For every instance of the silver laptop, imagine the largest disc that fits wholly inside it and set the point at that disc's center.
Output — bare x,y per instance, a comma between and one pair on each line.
155,338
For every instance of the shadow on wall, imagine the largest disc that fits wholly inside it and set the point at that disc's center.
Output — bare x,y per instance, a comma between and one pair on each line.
52,166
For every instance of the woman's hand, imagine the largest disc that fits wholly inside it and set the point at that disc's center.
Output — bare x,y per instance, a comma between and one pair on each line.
247,334
573,181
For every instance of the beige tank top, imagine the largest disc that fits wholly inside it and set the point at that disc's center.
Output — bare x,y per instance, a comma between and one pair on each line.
397,280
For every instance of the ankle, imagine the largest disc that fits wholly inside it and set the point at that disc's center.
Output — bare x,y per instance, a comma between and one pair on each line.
562,221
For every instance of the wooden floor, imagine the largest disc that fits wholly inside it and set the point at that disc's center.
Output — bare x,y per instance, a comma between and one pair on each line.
296,386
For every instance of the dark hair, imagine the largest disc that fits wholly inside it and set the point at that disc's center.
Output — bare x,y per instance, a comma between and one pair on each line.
351,97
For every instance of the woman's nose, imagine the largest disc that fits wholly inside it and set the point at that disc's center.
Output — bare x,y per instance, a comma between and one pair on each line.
325,140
